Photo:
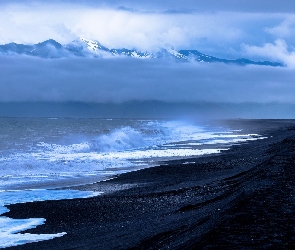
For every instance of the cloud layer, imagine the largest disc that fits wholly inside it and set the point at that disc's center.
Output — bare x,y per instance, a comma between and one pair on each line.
118,28
121,80
278,51
214,28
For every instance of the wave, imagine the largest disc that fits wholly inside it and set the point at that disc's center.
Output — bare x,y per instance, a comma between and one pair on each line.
116,147
153,134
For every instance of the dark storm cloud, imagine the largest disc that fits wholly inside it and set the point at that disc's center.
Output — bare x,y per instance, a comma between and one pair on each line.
121,80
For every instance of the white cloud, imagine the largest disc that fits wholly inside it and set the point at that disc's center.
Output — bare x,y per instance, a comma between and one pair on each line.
119,28
286,29
216,33
277,51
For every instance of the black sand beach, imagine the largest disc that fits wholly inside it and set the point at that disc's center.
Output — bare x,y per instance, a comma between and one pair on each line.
243,198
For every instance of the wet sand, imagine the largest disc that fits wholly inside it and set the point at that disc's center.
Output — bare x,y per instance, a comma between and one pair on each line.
243,198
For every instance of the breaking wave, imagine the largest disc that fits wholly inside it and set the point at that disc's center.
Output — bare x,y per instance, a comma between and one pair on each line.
108,145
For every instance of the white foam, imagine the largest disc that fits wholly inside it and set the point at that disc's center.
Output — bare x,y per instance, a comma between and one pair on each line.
44,165
121,148
117,145
10,228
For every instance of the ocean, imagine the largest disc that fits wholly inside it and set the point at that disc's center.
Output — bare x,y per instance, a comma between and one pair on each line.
38,155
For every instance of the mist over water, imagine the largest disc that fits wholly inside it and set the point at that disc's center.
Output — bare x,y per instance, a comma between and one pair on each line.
134,88
83,82
198,111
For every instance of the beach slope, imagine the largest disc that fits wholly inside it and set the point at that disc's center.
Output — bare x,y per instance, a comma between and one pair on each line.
241,198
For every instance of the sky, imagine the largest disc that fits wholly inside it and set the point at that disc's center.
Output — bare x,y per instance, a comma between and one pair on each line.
257,30
232,28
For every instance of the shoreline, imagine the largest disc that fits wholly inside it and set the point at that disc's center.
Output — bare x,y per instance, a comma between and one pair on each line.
183,206
48,180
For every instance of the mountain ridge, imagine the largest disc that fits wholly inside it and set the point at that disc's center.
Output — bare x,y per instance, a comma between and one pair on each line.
90,48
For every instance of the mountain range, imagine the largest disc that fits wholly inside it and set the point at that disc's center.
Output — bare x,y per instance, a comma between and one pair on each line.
93,49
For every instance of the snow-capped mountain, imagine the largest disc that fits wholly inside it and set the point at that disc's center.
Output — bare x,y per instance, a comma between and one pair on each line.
90,48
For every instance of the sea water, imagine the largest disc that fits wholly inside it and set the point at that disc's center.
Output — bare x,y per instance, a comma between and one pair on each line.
39,154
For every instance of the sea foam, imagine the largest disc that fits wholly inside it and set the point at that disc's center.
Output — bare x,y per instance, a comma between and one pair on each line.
68,150
10,228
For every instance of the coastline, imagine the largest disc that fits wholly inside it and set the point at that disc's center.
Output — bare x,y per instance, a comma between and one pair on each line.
205,202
